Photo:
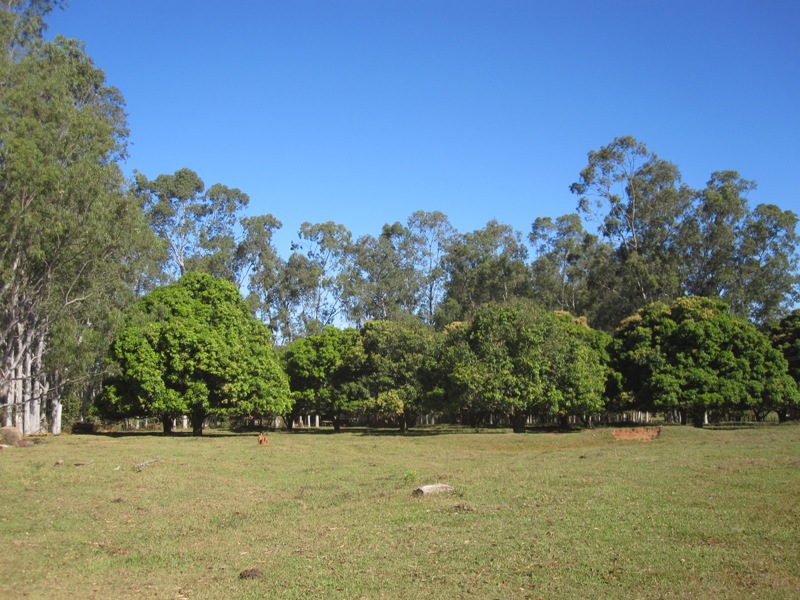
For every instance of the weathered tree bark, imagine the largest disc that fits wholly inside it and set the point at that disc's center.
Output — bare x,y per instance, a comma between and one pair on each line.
55,415
26,399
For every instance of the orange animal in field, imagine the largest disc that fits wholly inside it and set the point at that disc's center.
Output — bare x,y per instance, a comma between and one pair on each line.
263,440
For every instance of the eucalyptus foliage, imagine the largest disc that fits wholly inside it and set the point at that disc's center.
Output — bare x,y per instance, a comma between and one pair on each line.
72,244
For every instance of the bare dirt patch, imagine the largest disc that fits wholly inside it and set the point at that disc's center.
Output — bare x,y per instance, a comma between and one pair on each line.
639,434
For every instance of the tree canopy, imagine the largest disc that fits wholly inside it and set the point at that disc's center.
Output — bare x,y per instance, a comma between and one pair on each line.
519,360
694,356
193,348
324,374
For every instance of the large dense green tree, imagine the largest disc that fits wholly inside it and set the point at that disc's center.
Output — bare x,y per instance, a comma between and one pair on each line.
396,359
69,235
192,347
517,359
785,337
325,374
693,356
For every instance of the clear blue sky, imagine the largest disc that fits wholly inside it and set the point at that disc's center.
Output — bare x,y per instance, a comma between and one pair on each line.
363,111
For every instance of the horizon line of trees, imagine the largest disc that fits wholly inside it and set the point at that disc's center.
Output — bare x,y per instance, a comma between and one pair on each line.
193,348
81,245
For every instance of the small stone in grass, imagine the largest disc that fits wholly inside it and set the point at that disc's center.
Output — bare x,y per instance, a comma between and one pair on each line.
436,488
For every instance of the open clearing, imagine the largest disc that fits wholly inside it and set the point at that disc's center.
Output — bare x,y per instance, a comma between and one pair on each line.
691,514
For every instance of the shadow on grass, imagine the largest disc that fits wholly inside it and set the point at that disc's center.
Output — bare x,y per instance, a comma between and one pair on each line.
174,434
456,429
422,431
742,425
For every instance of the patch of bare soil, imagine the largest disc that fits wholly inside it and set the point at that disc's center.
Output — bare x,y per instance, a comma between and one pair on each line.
640,434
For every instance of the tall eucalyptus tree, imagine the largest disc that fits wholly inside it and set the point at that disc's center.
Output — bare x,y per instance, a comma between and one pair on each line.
70,235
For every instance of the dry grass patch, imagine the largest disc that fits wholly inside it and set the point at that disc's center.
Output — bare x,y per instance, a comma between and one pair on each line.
639,434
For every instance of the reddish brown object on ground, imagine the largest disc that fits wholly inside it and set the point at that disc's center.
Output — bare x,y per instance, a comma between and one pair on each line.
641,434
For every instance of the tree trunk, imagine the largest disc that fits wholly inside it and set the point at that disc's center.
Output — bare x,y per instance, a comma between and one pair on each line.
198,417
55,407
27,395
563,421
698,418
8,406
166,422
39,387
518,422
337,423
55,415
402,423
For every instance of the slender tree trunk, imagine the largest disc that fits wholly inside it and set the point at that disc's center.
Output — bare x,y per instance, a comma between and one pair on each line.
337,422
5,396
16,397
55,412
38,387
27,394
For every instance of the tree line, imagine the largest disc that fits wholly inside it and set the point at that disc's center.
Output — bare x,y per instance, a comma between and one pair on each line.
92,261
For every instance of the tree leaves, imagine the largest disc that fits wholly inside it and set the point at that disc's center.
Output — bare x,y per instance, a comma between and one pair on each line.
193,347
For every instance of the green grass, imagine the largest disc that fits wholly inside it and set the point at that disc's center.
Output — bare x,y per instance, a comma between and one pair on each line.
694,514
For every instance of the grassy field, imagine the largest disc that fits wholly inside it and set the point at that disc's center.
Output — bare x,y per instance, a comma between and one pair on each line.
693,514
